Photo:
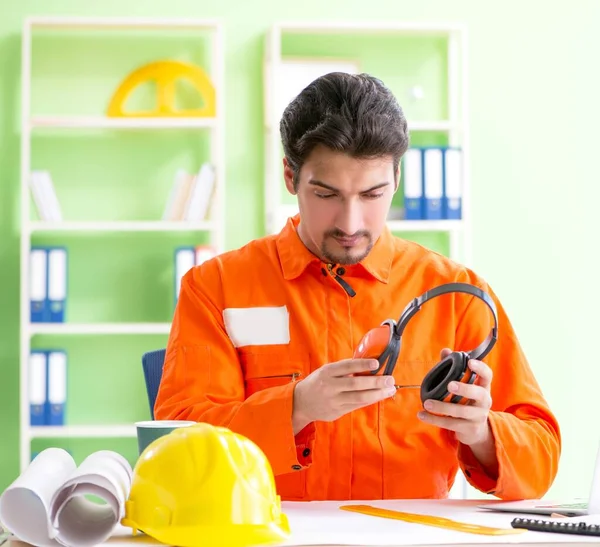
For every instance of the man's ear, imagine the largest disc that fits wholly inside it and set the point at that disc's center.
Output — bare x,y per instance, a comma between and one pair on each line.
288,175
397,179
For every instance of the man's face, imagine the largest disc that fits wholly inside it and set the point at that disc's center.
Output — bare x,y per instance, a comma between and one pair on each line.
343,202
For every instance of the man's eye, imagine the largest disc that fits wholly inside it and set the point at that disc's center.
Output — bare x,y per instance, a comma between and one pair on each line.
374,196
324,196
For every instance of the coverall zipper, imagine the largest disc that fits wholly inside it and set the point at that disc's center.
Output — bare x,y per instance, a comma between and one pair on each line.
349,290
293,376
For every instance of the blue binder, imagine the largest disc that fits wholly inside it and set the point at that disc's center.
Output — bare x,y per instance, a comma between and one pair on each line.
38,387
413,184
57,387
38,283
433,182
453,183
48,284
57,284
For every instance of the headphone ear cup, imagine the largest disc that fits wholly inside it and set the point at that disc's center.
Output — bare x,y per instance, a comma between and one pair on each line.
455,368
378,343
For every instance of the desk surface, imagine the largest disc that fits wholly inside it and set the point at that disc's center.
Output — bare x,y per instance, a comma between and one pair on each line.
324,524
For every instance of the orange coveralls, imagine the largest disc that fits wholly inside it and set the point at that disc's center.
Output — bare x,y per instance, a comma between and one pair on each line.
252,322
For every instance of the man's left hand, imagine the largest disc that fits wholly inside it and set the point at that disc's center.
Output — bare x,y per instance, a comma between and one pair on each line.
469,422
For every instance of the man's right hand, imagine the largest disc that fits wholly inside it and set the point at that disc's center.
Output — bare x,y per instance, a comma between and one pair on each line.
332,391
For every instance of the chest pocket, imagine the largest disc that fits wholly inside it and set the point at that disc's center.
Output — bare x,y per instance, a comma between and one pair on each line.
273,365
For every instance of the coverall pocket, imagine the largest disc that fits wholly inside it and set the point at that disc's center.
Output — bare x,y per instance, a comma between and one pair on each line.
271,366
264,382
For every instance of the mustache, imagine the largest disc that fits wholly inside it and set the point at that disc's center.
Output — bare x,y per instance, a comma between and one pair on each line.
339,233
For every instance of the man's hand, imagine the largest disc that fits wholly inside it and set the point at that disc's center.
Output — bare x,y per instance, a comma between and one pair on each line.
332,391
468,422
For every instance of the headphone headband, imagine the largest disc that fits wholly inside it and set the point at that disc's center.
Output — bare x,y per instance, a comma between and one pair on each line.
415,305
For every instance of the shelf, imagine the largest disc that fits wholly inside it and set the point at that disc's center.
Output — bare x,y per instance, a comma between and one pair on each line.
424,225
82,431
371,26
123,23
104,122
99,328
122,226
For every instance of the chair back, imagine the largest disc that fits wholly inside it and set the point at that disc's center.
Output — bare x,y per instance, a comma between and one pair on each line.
152,363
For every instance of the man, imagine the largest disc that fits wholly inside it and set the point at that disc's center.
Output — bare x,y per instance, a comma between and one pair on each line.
263,337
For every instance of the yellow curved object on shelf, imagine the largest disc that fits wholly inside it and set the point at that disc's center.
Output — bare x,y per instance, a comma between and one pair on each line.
165,74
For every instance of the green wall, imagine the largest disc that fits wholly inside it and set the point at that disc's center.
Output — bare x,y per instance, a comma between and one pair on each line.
533,95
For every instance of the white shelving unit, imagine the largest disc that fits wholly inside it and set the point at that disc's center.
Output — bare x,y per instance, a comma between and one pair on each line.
123,226
99,328
91,122
31,124
456,127
86,431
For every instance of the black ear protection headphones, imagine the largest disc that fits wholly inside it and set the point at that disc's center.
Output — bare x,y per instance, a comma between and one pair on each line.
383,343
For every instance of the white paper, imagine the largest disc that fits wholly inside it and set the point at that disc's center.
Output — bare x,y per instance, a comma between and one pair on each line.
312,523
324,523
588,519
46,505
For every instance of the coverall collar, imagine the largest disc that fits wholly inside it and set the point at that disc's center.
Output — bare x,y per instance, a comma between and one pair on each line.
295,256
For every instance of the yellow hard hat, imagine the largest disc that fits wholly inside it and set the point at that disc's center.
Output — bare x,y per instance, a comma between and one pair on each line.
205,485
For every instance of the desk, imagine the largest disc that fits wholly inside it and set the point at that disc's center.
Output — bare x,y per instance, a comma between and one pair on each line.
324,524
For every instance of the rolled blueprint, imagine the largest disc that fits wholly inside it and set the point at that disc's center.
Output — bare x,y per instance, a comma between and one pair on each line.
49,504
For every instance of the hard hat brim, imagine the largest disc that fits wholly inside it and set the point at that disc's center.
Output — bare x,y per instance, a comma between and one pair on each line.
231,535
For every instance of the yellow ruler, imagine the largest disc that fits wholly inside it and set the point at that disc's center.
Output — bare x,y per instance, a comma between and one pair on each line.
430,520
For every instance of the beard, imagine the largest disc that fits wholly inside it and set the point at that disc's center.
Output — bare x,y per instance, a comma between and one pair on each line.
335,253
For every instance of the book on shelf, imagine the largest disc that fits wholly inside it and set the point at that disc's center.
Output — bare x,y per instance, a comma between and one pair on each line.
186,257
189,200
191,195
44,196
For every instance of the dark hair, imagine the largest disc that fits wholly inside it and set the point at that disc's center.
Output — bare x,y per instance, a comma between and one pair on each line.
352,113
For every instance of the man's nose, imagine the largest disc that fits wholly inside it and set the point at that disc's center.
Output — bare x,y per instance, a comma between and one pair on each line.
350,219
